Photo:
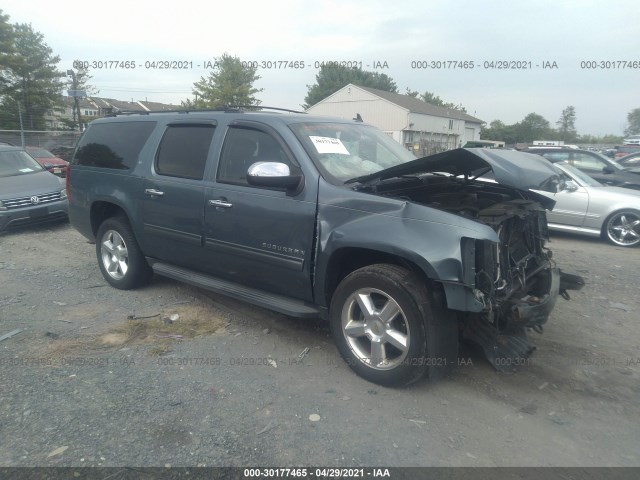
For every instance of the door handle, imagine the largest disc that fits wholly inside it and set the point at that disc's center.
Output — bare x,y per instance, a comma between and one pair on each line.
153,192
220,203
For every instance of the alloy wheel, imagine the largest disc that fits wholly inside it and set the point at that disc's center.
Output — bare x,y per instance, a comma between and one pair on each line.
375,329
115,257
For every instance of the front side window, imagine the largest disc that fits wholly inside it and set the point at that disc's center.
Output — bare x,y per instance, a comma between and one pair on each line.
183,151
345,151
244,146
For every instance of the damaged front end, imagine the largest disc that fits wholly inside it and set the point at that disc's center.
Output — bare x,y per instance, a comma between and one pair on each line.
510,281
516,280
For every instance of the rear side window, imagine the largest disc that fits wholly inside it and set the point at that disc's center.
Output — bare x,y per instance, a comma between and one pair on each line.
183,151
113,145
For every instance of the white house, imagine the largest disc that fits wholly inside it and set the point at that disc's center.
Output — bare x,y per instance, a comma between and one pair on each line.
419,126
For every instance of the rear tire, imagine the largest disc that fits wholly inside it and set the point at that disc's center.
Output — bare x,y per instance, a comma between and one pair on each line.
390,329
622,228
120,259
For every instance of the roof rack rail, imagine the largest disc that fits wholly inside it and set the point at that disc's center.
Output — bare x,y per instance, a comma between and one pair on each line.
225,108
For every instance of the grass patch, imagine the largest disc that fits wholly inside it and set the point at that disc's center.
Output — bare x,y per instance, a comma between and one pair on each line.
158,331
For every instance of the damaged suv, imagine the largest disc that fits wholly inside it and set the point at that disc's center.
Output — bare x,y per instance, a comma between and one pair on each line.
322,217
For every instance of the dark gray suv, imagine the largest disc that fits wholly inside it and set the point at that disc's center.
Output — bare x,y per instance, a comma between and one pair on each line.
324,217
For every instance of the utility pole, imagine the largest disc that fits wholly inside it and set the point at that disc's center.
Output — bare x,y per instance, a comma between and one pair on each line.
21,126
75,93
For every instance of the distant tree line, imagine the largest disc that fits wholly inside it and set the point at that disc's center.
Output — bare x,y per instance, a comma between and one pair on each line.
31,85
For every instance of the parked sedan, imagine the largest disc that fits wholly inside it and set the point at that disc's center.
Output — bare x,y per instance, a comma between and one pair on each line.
597,166
48,160
28,193
631,161
622,150
587,207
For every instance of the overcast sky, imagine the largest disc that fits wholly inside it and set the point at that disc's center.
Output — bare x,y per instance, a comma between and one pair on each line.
396,32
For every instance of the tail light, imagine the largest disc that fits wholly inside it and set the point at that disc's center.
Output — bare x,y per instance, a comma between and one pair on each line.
68,182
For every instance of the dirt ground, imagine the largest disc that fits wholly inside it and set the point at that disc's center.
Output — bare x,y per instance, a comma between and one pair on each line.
175,375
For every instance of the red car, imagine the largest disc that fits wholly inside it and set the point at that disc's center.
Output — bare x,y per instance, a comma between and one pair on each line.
623,150
48,160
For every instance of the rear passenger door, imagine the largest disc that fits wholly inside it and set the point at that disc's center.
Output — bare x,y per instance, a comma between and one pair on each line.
258,236
173,200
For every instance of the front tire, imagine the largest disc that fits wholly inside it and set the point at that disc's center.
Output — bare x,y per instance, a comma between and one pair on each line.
623,228
120,259
389,327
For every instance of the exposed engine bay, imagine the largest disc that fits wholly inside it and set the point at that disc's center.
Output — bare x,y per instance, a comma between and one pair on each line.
515,279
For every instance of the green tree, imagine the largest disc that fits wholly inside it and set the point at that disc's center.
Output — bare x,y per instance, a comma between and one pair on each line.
567,124
497,130
434,99
230,83
32,80
533,127
7,39
331,78
633,120
82,78
411,93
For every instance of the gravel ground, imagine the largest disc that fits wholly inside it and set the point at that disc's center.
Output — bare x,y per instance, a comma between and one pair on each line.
99,376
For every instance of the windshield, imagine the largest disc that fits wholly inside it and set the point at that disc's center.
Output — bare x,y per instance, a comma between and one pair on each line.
17,162
579,175
344,151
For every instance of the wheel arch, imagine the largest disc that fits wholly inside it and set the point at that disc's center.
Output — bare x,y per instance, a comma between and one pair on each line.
348,259
101,210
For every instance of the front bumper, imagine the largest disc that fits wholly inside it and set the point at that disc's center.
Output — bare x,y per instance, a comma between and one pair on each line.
507,347
18,217
533,310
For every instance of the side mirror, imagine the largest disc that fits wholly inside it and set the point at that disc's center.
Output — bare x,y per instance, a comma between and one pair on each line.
570,186
608,169
274,175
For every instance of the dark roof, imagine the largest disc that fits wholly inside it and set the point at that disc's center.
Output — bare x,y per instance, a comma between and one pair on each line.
415,105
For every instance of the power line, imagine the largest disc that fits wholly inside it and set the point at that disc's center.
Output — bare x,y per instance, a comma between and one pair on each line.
148,90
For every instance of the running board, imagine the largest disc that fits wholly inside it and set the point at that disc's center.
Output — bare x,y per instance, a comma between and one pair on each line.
271,301
505,351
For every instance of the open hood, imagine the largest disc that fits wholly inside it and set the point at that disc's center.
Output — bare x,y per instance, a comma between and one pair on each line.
524,171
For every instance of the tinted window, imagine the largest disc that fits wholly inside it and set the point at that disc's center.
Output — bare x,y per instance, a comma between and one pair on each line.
183,151
113,145
243,147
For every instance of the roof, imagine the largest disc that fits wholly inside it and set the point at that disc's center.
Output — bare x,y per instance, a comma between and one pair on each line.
119,105
415,105
266,116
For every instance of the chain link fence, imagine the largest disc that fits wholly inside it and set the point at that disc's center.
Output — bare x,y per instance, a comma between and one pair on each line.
48,140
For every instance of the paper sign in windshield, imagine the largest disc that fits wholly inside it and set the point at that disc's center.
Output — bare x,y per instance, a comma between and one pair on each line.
329,145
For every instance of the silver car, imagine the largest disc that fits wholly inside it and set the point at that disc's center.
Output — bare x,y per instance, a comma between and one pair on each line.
587,207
